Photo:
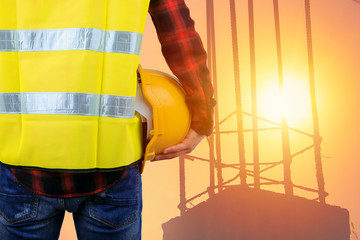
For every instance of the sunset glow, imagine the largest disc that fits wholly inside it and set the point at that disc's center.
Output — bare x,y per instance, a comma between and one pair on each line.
293,101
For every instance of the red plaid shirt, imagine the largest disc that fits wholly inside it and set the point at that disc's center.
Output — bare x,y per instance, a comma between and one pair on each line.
186,57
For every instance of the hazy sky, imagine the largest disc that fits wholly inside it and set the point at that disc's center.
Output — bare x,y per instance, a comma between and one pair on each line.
336,36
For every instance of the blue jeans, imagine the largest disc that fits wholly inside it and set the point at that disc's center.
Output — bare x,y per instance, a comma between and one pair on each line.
111,214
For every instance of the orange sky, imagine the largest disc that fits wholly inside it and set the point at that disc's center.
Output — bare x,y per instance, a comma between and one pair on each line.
336,43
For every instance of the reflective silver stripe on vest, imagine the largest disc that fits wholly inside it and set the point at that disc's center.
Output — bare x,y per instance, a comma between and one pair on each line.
67,104
70,39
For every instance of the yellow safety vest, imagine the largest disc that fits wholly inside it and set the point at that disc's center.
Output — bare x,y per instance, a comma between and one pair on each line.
68,83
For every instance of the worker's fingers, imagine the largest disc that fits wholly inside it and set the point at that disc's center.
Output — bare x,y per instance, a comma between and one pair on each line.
175,151
169,155
191,140
186,145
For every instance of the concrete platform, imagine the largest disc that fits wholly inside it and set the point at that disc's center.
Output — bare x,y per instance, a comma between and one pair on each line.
248,214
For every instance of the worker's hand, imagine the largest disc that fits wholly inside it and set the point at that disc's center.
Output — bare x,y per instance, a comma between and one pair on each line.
191,140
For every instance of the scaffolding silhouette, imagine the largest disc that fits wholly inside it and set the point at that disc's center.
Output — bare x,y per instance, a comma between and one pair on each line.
216,165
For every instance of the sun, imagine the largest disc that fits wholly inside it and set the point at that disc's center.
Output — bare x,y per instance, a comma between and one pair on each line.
293,101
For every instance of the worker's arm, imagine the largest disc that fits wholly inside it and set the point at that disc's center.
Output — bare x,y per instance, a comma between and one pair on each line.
184,53
186,146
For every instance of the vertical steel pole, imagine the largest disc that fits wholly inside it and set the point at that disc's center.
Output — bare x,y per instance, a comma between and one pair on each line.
211,34
211,189
211,138
317,137
284,127
182,205
253,96
239,110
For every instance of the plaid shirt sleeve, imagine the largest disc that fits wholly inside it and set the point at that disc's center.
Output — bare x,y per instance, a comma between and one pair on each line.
184,53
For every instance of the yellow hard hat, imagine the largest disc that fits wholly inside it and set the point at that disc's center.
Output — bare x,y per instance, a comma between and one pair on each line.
170,115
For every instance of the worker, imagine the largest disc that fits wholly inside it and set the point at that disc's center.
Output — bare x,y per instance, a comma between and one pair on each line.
60,153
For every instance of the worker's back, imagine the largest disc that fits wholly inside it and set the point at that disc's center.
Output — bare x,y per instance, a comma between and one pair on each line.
68,83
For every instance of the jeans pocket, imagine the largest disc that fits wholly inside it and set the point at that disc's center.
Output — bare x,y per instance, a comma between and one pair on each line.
119,205
18,208
114,213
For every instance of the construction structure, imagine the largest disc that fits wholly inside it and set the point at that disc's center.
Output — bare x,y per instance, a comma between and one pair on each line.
240,207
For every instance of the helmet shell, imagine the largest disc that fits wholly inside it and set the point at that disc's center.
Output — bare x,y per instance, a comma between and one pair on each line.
171,115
